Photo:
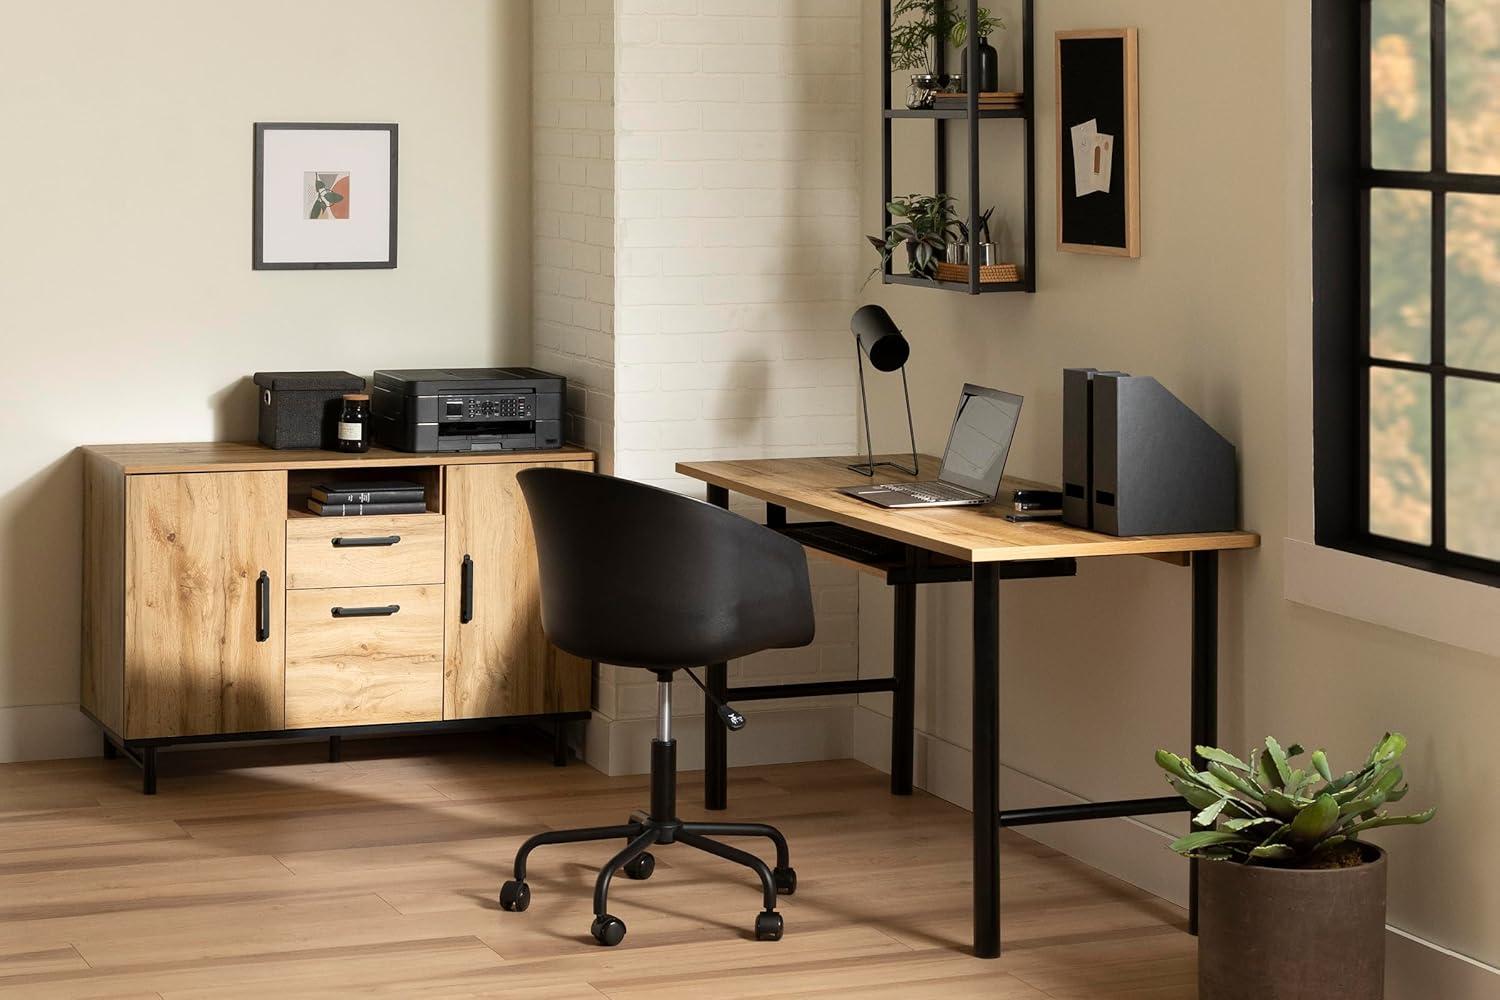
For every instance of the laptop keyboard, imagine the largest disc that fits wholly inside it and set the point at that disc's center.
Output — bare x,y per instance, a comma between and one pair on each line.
931,492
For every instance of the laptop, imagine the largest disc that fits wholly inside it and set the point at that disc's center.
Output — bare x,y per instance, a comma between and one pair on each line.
973,462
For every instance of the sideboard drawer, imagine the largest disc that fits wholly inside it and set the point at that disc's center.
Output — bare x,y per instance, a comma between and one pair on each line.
364,656
376,551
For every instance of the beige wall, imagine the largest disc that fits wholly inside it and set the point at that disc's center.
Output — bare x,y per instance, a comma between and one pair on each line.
128,309
1094,670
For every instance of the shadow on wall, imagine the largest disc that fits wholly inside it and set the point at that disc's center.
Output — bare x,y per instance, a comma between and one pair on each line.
41,559
236,417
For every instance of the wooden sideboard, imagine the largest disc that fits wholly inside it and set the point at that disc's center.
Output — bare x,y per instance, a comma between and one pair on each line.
216,607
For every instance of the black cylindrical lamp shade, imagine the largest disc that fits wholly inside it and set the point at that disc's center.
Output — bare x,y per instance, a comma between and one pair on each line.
879,338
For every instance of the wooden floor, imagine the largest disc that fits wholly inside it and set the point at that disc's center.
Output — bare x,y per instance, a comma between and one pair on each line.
267,872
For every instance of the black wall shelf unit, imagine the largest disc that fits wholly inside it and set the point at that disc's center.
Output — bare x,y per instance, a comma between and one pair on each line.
971,116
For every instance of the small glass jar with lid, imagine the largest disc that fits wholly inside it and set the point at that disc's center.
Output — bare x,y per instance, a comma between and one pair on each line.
354,423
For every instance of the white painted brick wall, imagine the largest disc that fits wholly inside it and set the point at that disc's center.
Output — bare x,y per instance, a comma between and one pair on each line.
696,179
736,190
573,207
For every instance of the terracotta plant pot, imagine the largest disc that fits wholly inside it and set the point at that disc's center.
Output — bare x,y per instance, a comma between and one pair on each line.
1291,934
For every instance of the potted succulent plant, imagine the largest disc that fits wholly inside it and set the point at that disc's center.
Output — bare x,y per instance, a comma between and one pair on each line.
924,224
1291,900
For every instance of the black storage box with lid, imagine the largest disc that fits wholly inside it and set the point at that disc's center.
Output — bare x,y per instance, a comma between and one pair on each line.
301,409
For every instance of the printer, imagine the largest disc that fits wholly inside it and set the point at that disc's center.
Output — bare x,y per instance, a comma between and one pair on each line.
467,409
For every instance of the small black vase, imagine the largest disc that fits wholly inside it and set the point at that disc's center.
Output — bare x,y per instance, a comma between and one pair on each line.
989,65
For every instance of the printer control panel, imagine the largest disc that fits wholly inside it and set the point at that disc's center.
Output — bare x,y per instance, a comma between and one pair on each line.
482,407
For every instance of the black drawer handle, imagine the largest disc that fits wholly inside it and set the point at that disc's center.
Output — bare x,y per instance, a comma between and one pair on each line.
385,611
466,593
369,541
263,607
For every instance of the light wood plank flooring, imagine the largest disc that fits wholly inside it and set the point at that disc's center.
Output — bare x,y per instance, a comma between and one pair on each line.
267,872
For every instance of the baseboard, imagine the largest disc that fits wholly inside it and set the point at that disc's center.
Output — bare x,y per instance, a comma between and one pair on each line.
1125,848
1419,970
46,732
772,736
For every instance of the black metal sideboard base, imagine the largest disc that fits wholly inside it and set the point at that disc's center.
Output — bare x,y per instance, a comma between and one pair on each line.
143,752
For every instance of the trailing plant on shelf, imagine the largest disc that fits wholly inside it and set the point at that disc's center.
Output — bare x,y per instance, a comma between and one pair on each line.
924,225
987,24
1268,811
914,26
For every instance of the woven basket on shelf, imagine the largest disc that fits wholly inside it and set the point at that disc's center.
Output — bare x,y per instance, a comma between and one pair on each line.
988,273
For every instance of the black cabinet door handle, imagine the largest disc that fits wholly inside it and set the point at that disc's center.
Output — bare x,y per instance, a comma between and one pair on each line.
383,611
263,607
466,593
366,542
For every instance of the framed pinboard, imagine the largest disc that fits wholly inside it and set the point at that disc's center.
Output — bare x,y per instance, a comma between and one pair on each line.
1098,142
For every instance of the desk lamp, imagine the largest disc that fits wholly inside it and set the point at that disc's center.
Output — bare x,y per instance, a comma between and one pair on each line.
876,337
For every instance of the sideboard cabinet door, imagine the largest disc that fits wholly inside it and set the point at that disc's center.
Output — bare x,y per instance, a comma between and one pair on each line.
498,661
205,599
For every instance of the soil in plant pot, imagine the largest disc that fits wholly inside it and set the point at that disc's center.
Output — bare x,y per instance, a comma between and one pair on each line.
1344,856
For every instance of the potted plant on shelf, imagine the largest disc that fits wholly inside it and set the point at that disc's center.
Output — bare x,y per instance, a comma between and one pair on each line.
986,24
915,24
1291,900
924,225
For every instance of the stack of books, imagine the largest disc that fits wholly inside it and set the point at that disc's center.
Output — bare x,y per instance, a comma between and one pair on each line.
989,100
397,496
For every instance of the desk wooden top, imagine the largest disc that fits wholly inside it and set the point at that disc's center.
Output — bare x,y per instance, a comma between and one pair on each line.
973,534
230,456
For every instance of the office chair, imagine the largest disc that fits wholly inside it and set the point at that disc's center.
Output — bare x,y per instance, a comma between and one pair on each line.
642,577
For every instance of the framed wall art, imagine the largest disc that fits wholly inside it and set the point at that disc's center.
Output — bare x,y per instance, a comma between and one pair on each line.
1098,142
325,196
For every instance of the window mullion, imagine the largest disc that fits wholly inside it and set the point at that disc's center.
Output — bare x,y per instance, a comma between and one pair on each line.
1437,33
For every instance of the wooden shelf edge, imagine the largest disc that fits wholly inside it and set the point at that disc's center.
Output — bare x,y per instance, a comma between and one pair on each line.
951,114
955,286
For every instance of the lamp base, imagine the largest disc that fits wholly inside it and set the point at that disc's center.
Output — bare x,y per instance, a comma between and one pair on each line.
868,468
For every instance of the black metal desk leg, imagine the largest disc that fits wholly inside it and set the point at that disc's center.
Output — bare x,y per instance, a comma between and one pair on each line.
904,700
1205,707
715,734
986,751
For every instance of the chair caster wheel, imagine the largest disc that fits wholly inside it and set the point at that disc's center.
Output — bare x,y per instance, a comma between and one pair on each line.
785,879
640,867
608,931
515,896
768,926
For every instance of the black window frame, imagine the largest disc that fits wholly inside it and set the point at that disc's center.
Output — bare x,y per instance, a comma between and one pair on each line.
1343,177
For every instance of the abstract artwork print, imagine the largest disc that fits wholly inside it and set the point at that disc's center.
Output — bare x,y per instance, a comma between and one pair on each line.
325,194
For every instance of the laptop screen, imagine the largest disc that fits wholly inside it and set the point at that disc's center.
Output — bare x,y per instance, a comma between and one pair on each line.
980,439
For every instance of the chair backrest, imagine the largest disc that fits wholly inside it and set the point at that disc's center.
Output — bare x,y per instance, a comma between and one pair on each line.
643,577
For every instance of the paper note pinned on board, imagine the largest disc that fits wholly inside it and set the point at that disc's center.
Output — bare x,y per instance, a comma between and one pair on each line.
1093,158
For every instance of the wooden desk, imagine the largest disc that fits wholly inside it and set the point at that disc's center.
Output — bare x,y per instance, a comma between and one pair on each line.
974,544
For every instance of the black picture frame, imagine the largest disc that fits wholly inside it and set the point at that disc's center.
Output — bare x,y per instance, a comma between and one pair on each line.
257,256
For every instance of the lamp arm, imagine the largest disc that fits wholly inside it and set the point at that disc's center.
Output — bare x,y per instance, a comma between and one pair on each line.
870,465
868,469
910,427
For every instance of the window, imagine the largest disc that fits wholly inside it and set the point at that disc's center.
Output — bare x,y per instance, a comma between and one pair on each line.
1406,147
